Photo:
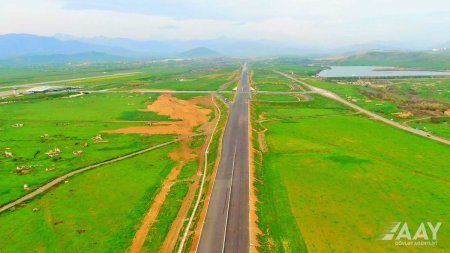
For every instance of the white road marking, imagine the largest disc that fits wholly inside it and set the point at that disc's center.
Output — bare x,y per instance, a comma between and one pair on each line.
188,227
229,199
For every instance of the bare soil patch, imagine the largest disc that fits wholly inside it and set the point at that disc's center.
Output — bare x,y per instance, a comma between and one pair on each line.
187,113
197,228
150,90
152,213
189,116
403,115
447,112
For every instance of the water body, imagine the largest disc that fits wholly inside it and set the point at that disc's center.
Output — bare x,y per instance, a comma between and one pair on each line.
373,71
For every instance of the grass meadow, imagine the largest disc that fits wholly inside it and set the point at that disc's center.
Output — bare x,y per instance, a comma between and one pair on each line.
266,80
69,124
330,180
425,97
97,211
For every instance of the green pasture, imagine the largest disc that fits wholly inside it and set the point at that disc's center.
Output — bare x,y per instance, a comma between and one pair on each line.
277,98
435,125
71,125
209,81
437,89
97,211
332,181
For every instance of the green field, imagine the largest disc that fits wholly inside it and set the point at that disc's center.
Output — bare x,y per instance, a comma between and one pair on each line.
328,179
332,181
422,59
10,75
277,98
169,210
98,211
210,80
61,227
437,89
69,124
266,80
435,125
422,97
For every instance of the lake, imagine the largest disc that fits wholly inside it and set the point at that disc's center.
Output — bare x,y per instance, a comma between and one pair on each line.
373,71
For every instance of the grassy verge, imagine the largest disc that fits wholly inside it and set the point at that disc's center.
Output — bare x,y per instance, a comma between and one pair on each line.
169,210
212,161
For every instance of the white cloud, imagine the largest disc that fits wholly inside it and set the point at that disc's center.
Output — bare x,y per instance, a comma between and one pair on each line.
315,22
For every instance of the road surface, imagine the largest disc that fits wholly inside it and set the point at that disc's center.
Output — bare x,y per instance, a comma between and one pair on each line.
331,95
226,226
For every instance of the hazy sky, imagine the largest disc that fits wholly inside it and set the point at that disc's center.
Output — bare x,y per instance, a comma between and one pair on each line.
293,22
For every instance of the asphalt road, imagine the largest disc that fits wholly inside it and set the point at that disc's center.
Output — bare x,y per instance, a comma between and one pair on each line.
226,226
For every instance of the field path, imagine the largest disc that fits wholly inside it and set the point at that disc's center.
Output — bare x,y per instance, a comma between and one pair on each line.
331,95
202,183
64,177
153,212
172,237
69,80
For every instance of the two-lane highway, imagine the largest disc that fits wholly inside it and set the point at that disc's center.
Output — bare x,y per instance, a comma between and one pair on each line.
226,227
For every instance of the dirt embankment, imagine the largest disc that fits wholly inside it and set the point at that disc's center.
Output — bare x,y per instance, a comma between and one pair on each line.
198,226
175,231
189,116
254,228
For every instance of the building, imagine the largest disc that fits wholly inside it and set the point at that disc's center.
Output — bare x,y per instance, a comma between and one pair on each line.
53,89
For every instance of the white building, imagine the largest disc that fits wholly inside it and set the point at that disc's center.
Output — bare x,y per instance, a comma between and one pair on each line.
53,89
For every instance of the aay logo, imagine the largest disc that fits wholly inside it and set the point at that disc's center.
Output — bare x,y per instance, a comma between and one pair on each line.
401,233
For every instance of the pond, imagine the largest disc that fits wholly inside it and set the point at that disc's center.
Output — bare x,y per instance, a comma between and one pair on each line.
373,71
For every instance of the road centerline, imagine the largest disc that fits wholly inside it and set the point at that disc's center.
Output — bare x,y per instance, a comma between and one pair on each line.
231,183
229,198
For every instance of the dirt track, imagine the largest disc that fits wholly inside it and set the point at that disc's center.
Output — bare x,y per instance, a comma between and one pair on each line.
197,232
189,116
62,178
174,233
328,94
182,155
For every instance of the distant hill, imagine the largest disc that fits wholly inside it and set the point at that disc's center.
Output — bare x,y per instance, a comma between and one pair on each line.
150,47
424,59
164,48
20,45
53,59
199,52
27,45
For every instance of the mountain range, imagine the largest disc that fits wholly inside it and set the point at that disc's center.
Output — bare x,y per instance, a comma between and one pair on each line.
21,45
27,48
